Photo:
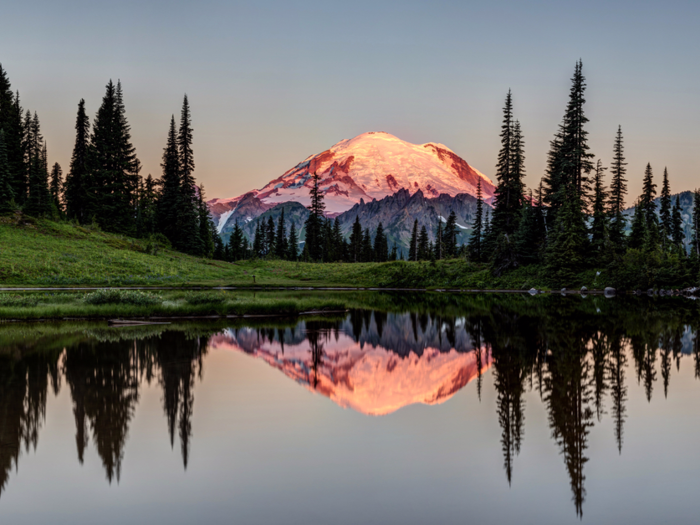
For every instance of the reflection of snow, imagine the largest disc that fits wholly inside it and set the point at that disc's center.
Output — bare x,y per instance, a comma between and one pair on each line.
363,375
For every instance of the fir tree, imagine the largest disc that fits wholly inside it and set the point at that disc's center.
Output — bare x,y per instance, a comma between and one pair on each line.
665,210
147,213
76,185
11,124
475,252
618,190
638,233
569,160
39,198
188,237
293,243
235,243
169,201
207,229
6,193
219,249
677,234
314,223
449,235
599,226
695,224
112,167
413,248
381,248
423,248
56,186
508,197
356,241
338,242
647,202
281,248
618,183
439,247
530,236
367,250
566,252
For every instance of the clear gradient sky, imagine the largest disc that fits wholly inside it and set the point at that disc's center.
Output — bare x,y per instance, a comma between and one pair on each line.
271,82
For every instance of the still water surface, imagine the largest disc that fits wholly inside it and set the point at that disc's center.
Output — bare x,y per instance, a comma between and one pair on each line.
477,410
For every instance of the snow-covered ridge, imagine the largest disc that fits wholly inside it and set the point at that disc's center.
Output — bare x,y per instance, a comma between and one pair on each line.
369,166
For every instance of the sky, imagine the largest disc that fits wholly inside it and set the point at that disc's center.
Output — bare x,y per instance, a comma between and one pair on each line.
271,82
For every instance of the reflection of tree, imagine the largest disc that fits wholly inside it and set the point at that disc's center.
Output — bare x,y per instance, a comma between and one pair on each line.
180,362
599,349
24,386
314,334
104,385
618,390
645,362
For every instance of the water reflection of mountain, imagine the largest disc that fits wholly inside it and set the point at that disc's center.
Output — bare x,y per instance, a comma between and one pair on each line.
374,363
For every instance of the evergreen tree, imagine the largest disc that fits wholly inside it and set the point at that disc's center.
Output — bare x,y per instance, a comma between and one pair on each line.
449,235
11,124
695,224
339,247
638,234
236,243
618,183
381,248
413,248
147,212
281,247
618,190
508,197
423,248
394,255
39,198
76,185
314,223
188,237
599,226
169,201
355,254
647,202
475,251
678,235
6,193
56,186
207,229
367,250
567,250
665,211
112,167
292,244
219,249
439,247
530,237
569,160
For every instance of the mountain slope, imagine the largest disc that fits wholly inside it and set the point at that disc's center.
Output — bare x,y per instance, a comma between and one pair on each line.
370,166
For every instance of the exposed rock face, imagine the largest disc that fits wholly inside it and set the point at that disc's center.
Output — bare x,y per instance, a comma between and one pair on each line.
370,166
396,213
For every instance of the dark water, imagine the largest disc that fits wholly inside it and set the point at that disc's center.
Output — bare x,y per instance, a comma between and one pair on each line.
422,409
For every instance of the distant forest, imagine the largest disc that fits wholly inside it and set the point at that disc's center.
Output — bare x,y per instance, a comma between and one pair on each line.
569,224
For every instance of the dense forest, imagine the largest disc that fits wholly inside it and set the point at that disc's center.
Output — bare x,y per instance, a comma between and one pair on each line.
571,223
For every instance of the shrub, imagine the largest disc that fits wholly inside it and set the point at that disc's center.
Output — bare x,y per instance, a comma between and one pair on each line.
115,296
18,301
196,298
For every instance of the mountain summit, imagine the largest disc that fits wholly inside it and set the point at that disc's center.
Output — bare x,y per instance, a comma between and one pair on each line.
370,166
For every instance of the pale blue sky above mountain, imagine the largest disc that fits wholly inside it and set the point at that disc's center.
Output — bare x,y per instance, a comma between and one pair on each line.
271,82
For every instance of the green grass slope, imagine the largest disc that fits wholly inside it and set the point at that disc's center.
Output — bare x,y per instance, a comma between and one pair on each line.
37,252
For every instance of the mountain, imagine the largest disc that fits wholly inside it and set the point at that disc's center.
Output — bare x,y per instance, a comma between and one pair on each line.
686,202
370,166
396,213
375,365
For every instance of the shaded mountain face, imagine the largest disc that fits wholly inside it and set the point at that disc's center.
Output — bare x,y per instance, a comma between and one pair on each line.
373,363
396,213
370,166
686,202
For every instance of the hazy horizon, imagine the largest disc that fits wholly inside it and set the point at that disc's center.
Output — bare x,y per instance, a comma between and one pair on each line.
271,83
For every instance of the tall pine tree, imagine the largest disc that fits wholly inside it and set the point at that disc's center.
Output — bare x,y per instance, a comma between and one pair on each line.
188,237
76,185
314,223
599,226
618,190
475,252
665,211
11,124
170,198
56,186
6,193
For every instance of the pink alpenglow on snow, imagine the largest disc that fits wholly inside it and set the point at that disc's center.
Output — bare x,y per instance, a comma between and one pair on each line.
370,166
366,378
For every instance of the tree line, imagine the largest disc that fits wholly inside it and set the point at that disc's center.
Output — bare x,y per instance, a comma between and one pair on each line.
572,222
103,185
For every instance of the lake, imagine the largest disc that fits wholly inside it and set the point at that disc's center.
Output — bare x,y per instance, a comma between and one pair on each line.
417,408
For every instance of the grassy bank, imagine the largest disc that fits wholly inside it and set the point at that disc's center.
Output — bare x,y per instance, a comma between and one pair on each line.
42,253
107,304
